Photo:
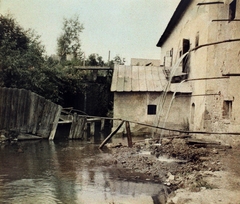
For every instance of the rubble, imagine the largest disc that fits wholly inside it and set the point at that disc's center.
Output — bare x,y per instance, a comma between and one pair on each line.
173,162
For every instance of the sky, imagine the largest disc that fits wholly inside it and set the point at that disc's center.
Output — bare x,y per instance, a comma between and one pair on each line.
128,28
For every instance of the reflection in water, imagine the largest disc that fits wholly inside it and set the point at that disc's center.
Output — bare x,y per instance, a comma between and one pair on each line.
64,172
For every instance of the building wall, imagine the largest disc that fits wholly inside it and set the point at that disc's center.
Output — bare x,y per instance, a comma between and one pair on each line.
202,25
133,106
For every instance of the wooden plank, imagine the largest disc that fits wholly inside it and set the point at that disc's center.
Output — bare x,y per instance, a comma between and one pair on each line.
28,137
39,113
142,78
128,79
135,79
14,109
27,109
92,68
92,128
120,78
156,79
22,114
110,136
1,107
77,127
73,126
7,107
129,136
149,80
114,79
34,113
102,124
55,122
46,119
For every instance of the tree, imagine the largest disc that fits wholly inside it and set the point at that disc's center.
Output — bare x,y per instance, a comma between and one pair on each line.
20,52
69,41
94,60
118,60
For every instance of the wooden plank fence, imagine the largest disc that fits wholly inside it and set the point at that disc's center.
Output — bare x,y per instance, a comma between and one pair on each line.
28,113
77,127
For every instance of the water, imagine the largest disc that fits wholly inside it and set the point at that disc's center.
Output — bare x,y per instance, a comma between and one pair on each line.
65,172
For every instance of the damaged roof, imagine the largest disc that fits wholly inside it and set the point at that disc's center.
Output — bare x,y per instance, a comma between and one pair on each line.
177,15
143,79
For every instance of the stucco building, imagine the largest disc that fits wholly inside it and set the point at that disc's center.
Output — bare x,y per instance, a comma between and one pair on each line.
200,49
210,31
139,92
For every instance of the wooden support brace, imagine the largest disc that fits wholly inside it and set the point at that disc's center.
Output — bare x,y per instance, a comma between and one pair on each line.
129,136
111,134
92,128
55,123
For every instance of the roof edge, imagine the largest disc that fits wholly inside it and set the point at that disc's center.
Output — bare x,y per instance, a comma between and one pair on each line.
177,15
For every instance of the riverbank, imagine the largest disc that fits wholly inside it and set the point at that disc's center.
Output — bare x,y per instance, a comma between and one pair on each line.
192,173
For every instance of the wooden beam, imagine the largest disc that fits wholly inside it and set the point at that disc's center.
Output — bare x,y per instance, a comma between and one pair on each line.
92,68
110,136
214,43
197,95
209,3
231,74
129,136
216,20
207,78
55,123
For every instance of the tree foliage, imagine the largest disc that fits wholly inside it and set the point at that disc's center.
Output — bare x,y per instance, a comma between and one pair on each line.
23,65
94,60
69,41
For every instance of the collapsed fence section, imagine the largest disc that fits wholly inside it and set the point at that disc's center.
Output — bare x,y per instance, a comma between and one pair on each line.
25,112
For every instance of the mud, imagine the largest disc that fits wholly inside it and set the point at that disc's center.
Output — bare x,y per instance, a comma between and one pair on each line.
174,163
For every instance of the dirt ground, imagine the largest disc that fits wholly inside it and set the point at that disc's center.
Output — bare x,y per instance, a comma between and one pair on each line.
193,172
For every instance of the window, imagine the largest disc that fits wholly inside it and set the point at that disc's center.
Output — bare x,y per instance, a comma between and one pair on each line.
197,40
192,113
152,109
227,109
232,10
186,47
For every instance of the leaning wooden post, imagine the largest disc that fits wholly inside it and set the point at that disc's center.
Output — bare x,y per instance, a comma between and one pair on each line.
102,124
129,136
109,136
55,123
92,128
73,127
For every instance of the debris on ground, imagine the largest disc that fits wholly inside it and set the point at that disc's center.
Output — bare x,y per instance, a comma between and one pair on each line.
176,162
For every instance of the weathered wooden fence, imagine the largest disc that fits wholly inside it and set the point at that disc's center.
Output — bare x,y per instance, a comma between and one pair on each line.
27,112
77,127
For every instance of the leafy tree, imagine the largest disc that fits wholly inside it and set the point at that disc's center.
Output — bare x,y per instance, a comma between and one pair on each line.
23,65
119,60
20,52
69,41
94,60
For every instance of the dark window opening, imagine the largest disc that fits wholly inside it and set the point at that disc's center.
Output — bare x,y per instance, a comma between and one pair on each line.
180,53
192,113
197,40
152,109
186,47
227,109
232,10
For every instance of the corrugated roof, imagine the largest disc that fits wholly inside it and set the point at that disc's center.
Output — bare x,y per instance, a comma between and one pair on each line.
143,79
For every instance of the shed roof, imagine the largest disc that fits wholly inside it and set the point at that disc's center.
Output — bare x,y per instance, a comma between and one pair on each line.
143,79
176,17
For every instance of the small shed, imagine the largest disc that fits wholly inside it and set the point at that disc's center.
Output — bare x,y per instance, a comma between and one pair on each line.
142,95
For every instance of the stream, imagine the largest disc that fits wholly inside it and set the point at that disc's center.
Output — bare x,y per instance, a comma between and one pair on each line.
66,172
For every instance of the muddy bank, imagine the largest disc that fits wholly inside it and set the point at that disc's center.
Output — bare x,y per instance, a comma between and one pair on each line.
176,163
